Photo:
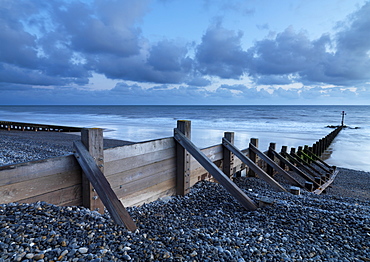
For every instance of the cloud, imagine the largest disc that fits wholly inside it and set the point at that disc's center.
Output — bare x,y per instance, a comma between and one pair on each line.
60,44
288,53
220,53
342,60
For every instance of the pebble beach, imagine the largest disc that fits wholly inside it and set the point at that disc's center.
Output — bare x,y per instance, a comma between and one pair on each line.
205,225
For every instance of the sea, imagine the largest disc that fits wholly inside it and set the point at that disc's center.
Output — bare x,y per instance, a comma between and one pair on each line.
290,126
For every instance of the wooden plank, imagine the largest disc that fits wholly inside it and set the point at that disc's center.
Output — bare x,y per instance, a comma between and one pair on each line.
31,188
304,165
275,166
63,197
11,174
262,174
142,172
183,160
299,164
166,188
202,174
310,153
92,139
140,184
214,153
292,167
230,186
125,164
138,149
320,189
117,211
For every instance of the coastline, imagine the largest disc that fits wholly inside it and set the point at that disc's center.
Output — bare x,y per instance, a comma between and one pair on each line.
23,146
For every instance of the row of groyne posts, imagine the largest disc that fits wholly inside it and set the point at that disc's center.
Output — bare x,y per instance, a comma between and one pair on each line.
20,126
301,169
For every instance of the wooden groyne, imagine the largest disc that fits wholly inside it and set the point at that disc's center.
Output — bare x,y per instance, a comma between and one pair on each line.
143,172
7,125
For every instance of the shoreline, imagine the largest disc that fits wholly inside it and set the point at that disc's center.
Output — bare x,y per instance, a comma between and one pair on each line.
24,146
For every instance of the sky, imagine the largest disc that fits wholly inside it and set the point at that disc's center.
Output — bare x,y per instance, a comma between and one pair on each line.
176,52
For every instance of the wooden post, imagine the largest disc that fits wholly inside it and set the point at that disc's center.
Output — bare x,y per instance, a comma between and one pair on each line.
270,170
253,156
283,150
183,160
92,139
228,157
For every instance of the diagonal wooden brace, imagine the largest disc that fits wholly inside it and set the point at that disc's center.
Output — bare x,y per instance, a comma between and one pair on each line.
223,179
262,174
105,192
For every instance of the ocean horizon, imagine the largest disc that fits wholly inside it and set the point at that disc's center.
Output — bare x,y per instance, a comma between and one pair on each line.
290,126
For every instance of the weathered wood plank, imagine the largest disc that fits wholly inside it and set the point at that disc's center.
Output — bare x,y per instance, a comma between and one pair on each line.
117,211
70,196
142,172
310,153
256,169
230,186
11,174
166,188
301,163
31,188
275,166
326,184
125,164
292,166
214,153
140,184
138,149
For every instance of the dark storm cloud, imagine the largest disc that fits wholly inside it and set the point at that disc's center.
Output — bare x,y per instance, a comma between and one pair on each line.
220,53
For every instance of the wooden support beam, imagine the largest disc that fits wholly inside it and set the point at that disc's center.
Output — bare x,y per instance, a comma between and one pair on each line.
270,169
228,156
183,160
320,189
230,186
314,156
306,166
253,156
275,166
262,174
294,159
292,166
92,139
115,208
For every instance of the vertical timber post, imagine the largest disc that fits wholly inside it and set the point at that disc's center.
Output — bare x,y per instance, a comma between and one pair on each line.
253,156
92,139
183,160
270,170
283,152
228,157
